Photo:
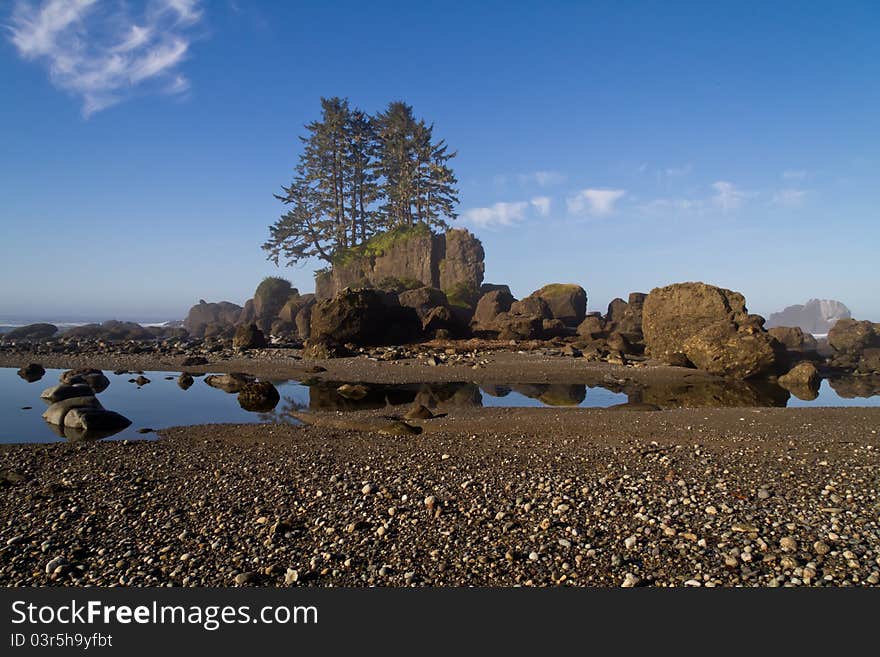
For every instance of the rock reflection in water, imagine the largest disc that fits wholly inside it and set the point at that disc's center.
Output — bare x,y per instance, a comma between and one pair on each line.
79,435
851,387
712,394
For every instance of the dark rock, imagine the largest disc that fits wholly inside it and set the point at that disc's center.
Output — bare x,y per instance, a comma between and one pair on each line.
112,331
531,305
518,327
95,419
185,381
363,317
56,412
566,302
63,391
31,373
222,314
190,361
802,381
793,338
31,332
248,336
260,396
232,382
423,300
489,307
90,376
593,326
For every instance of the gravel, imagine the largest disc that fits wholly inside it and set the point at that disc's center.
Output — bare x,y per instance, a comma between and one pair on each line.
591,498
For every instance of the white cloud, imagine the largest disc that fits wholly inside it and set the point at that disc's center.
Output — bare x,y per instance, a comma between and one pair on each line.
500,214
542,205
595,201
542,178
727,195
101,57
789,198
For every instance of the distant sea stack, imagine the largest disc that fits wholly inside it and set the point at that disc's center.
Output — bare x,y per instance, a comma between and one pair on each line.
817,316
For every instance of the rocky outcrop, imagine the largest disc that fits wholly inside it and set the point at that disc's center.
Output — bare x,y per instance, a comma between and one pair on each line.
269,298
363,317
565,301
111,330
710,328
40,331
817,316
203,315
856,345
413,257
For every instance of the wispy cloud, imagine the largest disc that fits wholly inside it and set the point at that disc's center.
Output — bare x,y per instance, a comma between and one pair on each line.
499,214
101,54
789,198
542,178
598,202
727,195
542,205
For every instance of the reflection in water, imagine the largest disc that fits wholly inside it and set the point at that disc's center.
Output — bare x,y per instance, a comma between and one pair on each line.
163,404
711,394
850,387
76,435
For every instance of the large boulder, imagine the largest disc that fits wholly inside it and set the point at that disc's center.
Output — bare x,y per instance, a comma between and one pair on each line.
566,302
532,305
363,317
248,336
593,326
802,381
205,314
90,376
850,336
723,350
56,412
490,305
95,419
269,298
41,331
509,326
793,338
423,300
674,314
64,391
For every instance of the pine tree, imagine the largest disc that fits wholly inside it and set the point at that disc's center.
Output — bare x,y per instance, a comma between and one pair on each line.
357,176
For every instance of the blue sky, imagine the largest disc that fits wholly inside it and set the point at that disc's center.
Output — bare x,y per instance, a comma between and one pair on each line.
619,145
